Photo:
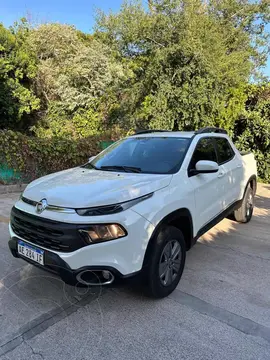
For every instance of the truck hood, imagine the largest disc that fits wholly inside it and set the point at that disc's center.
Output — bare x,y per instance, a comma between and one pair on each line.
80,187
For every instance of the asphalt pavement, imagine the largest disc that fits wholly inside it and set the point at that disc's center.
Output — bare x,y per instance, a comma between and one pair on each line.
220,309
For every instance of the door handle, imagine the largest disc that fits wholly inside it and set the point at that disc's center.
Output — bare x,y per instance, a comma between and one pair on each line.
221,174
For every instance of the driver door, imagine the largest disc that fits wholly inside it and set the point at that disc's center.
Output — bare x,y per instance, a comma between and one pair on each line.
207,187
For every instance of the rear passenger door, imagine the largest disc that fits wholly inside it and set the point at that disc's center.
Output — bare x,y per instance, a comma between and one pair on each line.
207,187
232,170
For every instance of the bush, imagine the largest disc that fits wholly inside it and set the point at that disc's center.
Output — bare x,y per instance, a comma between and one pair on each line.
252,130
34,157
84,123
255,136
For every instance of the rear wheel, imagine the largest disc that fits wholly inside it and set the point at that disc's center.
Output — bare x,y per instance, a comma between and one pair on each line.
167,262
245,211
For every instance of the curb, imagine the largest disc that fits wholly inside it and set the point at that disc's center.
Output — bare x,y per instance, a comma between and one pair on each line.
6,189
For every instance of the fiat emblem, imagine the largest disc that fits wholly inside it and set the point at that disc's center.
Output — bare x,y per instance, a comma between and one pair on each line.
41,206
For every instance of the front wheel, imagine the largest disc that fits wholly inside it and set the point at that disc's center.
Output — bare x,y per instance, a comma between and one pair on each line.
245,211
167,262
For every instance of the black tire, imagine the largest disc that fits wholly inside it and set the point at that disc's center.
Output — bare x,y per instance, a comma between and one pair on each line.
244,213
168,238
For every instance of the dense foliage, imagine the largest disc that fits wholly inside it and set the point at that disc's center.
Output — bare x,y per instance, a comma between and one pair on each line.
252,130
174,64
33,157
191,59
18,68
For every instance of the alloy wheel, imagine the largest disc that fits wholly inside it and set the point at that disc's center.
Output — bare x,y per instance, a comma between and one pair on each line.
250,204
169,263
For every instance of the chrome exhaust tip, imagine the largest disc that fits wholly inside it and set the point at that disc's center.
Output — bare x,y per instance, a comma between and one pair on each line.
95,277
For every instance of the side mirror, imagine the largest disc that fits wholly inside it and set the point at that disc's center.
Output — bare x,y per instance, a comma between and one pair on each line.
91,158
205,167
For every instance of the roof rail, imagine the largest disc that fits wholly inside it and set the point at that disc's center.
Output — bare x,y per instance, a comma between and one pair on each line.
210,129
139,132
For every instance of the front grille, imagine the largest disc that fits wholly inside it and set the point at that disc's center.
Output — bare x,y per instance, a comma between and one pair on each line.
46,233
28,201
38,234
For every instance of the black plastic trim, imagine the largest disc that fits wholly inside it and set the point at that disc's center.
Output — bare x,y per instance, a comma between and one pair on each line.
217,219
140,132
102,207
54,264
49,234
253,179
28,201
177,214
68,238
193,172
227,211
210,129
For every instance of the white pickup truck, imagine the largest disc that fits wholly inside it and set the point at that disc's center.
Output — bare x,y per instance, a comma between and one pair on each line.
137,207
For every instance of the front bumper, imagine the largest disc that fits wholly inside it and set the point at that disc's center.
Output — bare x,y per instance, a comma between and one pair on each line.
123,256
55,264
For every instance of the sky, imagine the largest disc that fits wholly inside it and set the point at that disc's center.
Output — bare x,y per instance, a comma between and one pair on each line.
80,13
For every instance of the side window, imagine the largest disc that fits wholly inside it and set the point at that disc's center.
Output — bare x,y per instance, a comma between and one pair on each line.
224,149
205,150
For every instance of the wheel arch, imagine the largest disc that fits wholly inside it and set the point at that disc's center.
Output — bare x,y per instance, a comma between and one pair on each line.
173,219
252,181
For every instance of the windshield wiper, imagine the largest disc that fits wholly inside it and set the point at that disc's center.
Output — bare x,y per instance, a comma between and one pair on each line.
122,167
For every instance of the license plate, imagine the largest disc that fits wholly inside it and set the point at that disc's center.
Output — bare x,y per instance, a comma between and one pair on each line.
31,252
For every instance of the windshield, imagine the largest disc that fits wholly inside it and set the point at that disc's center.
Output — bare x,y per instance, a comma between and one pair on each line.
154,155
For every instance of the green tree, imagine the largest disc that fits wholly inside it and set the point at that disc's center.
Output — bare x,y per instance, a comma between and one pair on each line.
18,102
252,129
190,60
74,74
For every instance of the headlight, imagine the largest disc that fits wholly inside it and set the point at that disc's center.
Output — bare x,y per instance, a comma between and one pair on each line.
111,209
102,232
